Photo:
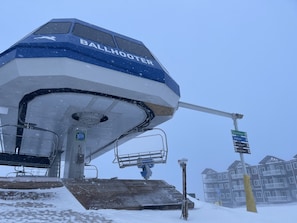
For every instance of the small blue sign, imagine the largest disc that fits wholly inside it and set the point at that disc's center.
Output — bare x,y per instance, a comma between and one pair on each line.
239,138
80,136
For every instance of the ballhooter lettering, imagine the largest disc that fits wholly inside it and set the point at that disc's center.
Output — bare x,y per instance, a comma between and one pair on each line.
115,52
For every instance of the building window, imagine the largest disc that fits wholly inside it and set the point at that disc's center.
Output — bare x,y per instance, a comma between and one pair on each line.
93,34
228,195
284,193
221,186
227,186
134,48
54,28
220,176
259,194
254,170
291,180
294,193
239,170
257,183
289,166
295,165
225,176
280,167
267,194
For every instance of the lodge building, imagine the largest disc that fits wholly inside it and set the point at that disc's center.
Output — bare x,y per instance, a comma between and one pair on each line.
273,180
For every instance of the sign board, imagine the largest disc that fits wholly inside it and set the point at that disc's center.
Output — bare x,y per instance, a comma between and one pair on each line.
80,136
240,142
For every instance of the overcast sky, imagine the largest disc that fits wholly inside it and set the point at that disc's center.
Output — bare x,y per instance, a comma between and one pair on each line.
234,56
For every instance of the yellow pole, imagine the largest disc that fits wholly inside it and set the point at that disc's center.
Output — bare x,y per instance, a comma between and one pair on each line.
250,201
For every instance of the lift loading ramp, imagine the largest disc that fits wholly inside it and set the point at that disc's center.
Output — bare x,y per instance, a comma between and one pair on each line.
95,194
125,194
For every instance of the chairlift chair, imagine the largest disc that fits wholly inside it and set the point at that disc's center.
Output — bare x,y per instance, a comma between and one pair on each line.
27,155
143,159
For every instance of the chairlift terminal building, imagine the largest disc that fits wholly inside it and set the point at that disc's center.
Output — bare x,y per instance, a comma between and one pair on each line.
69,90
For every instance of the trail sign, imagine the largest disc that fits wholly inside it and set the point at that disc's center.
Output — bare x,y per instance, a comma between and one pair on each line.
239,133
239,138
240,141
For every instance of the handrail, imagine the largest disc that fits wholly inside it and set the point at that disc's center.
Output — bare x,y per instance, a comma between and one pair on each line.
96,169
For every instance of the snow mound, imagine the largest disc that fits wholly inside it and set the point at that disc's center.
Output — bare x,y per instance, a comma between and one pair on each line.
44,205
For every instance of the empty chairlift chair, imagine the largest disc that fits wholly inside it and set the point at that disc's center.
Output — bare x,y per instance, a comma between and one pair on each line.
27,145
143,151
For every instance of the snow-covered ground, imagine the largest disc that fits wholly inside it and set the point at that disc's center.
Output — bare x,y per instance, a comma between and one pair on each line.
58,205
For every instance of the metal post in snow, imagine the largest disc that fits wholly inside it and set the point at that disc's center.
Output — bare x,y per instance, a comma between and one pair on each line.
183,165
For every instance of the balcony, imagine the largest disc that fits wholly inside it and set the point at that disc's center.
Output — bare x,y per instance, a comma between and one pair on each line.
211,199
240,199
276,185
237,176
238,187
210,180
210,189
276,172
278,199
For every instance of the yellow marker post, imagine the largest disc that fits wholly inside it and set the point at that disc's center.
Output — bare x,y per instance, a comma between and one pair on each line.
250,201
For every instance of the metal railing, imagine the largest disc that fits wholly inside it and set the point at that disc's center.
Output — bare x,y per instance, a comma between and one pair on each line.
238,187
273,172
237,176
278,198
276,185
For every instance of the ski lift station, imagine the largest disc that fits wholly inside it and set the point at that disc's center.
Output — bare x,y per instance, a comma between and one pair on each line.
71,91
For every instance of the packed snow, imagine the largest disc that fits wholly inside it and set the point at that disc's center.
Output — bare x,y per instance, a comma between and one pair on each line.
59,205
